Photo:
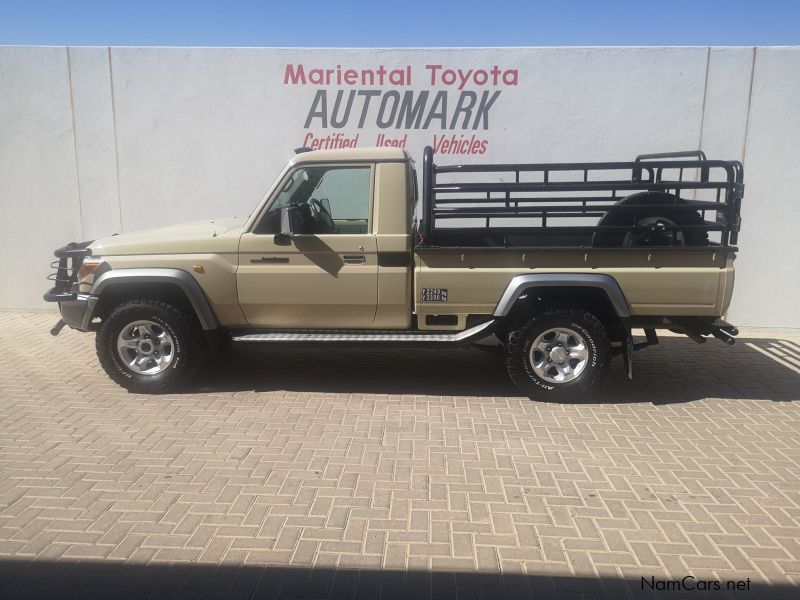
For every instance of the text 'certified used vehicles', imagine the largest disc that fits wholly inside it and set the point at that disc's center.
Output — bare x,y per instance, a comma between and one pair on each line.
555,262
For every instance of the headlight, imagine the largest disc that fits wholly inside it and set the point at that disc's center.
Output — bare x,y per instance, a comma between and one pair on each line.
88,266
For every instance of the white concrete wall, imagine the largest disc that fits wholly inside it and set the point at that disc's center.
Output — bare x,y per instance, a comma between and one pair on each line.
95,140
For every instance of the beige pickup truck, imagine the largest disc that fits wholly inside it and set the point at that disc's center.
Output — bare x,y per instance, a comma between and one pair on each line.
555,263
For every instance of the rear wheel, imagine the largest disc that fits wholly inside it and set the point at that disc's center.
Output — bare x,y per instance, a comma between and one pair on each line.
150,346
560,353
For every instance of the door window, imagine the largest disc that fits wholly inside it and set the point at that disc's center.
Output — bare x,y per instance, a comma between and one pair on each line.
325,200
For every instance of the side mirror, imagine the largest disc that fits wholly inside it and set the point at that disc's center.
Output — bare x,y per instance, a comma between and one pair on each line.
287,230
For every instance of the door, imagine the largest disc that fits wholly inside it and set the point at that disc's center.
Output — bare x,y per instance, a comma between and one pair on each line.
326,275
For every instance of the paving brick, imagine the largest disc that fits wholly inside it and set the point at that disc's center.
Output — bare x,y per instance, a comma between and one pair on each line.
425,463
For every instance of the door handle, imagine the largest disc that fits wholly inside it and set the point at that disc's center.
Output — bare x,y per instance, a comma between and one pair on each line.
270,259
354,259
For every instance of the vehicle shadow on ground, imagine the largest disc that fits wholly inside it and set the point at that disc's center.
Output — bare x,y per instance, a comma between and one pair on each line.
105,579
676,370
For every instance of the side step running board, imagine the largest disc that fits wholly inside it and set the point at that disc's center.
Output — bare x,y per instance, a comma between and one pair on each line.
368,337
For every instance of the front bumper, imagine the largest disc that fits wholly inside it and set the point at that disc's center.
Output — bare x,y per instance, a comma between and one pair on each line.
76,308
77,312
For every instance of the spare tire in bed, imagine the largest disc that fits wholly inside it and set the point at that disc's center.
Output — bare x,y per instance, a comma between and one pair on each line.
657,221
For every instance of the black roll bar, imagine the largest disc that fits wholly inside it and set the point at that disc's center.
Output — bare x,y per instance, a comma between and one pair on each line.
585,194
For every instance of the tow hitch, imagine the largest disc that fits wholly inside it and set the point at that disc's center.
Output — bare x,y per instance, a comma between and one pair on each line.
57,327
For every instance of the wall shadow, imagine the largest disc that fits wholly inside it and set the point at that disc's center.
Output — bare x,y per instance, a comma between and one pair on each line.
33,580
675,371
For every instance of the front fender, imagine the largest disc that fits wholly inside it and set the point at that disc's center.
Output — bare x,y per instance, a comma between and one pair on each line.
187,284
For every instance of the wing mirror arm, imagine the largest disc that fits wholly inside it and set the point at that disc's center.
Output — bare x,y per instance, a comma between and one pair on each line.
284,238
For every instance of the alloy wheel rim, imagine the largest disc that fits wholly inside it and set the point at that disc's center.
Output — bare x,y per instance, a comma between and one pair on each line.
145,347
559,355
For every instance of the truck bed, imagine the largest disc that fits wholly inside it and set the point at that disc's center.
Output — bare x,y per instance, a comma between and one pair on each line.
482,225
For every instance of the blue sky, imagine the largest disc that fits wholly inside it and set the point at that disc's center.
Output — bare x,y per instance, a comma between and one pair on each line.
315,23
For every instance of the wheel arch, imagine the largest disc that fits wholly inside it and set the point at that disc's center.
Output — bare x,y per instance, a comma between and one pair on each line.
174,286
598,292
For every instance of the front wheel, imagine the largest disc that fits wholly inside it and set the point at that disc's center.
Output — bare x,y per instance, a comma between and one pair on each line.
560,353
150,346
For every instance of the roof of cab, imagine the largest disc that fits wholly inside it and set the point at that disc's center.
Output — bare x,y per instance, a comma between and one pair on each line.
347,154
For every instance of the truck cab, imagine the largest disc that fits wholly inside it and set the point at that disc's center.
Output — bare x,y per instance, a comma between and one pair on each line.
345,262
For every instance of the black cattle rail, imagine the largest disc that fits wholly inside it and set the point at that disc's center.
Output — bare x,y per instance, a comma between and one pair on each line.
68,261
553,192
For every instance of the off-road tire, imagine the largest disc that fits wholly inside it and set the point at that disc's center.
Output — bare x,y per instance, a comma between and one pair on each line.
518,348
189,345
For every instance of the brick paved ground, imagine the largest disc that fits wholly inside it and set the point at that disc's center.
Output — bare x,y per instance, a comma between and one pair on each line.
358,474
